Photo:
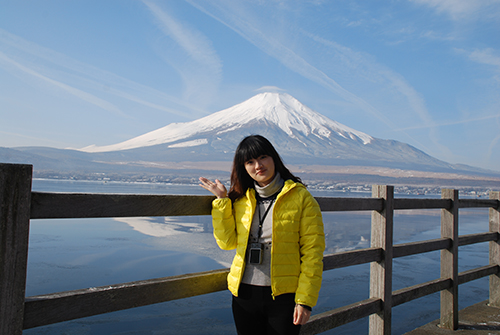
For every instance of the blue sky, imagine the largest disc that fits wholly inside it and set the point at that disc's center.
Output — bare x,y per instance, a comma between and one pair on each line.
81,72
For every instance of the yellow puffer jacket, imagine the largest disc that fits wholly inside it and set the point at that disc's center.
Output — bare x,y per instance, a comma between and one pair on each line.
298,240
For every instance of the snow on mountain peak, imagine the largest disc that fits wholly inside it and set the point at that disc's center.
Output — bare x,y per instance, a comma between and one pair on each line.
280,109
288,113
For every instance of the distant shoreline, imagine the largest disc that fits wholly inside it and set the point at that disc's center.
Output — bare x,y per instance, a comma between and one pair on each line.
316,185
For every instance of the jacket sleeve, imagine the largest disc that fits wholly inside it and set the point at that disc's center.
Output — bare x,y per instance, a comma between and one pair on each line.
312,246
224,224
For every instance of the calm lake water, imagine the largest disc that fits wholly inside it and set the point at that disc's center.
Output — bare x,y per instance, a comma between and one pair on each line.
68,254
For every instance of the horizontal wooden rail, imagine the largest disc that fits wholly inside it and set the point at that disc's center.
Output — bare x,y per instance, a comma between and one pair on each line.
343,315
478,203
362,256
352,257
324,321
483,271
328,204
63,306
420,290
75,205
413,248
419,247
417,291
477,238
411,203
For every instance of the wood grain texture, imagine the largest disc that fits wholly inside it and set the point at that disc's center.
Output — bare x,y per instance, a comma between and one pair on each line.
350,258
494,248
420,290
322,322
480,272
57,307
419,247
330,204
381,271
477,238
75,205
15,191
449,261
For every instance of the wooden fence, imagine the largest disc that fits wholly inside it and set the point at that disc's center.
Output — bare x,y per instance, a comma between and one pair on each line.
18,205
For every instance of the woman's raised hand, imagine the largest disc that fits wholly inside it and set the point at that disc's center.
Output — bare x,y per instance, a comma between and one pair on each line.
217,188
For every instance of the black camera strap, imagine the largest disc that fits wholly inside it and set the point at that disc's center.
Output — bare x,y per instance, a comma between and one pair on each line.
261,219
272,198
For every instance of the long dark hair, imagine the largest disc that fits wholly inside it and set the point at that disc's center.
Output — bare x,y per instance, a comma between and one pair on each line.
252,147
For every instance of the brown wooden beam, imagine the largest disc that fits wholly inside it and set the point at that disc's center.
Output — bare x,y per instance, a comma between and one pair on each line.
63,306
15,190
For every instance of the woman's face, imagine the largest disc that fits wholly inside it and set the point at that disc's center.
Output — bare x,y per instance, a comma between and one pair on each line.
261,169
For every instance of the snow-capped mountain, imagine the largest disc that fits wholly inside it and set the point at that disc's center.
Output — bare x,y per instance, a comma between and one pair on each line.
302,136
308,141
277,109
299,134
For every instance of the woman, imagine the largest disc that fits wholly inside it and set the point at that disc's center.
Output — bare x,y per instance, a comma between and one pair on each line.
277,229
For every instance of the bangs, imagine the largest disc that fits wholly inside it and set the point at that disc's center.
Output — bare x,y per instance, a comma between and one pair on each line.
252,148
251,153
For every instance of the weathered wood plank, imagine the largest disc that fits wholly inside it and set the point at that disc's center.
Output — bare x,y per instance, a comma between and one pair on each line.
75,205
494,246
449,261
63,306
322,322
419,247
381,272
15,190
477,238
410,203
329,204
420,290
477,203
470,275
72,205
353,257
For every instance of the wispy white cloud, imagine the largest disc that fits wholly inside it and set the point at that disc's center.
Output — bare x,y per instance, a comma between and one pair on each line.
465,9
380,75
491,59
486,56
59,70
262,35
236,18
438,35
20,137
67,88
198,63
454,122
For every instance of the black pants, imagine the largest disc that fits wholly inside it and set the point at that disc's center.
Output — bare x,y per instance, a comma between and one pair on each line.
255,311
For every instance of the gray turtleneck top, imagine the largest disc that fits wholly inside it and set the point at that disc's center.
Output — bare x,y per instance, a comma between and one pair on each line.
260,274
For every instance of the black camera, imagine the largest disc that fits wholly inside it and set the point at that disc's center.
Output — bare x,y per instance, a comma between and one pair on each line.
256,252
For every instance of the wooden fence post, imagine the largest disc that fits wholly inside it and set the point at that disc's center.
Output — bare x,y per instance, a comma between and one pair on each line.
449,261
495,252
15,201
381,272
